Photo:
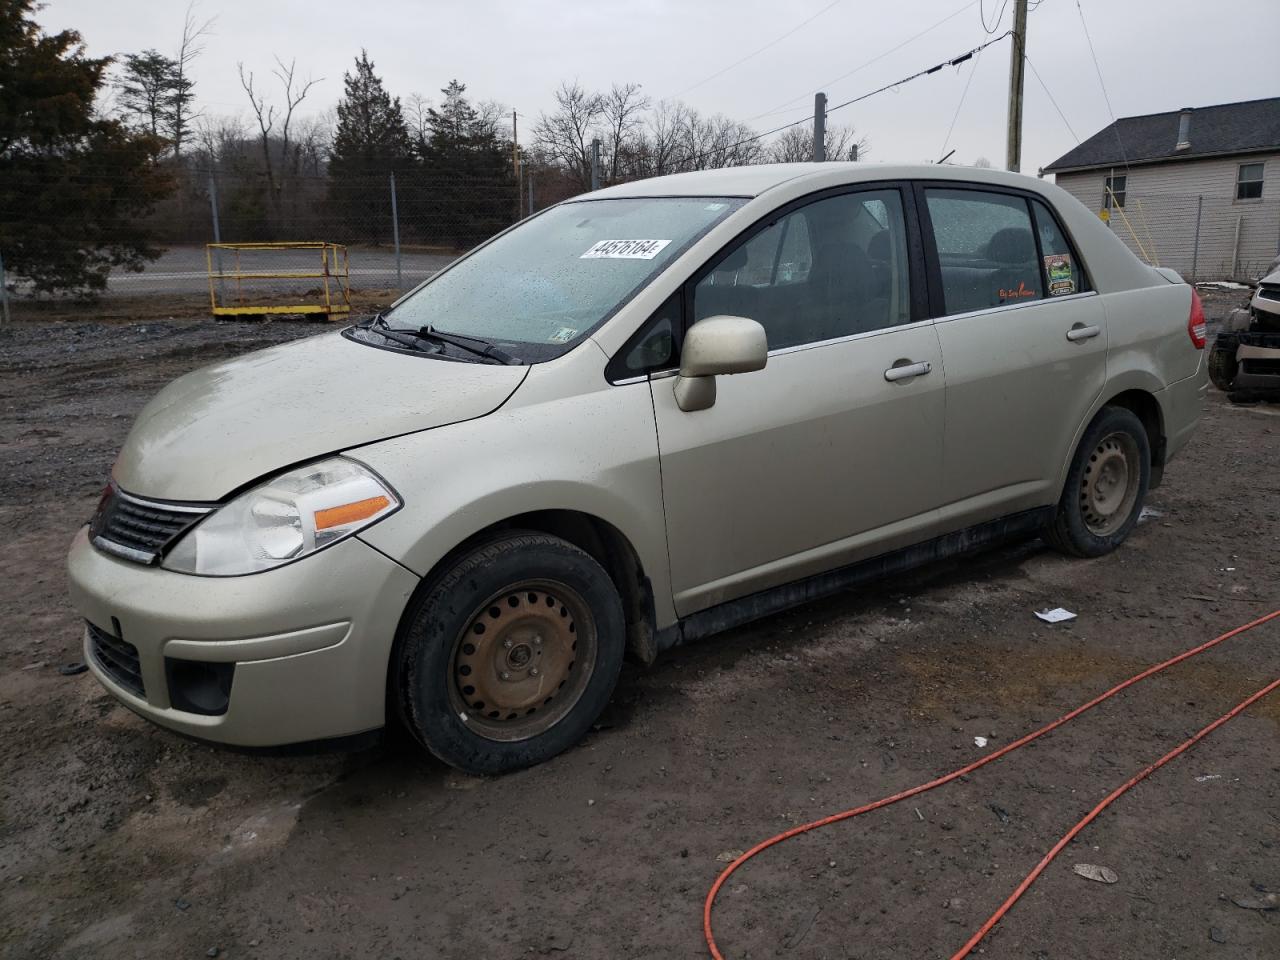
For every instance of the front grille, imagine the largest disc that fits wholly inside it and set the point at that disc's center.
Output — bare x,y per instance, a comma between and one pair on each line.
137,529
1269,293
117,659
1264,367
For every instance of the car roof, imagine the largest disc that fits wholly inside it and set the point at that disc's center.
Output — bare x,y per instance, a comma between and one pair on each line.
755,180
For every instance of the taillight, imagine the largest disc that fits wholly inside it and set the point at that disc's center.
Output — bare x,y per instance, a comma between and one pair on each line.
1195,322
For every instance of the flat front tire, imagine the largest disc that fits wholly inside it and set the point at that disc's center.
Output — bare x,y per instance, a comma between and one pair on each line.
508,658
1106,486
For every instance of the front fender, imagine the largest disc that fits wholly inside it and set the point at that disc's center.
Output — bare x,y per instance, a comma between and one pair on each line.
594,453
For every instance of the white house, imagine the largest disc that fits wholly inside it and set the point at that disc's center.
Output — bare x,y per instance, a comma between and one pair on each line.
1196,189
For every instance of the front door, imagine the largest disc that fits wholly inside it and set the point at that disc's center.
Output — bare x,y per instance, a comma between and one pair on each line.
833,451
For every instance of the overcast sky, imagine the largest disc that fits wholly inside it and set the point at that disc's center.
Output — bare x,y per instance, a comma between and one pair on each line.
1155,55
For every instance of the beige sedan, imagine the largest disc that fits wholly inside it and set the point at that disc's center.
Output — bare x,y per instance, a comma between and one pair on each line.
641,416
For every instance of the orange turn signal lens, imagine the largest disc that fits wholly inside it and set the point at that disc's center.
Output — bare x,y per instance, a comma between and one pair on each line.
350,512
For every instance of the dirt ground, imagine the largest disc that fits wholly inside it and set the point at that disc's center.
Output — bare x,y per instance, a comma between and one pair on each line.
118,839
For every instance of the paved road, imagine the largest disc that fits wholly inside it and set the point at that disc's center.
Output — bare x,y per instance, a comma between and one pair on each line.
184,269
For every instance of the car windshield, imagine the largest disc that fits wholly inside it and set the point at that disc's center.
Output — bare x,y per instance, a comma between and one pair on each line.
537,289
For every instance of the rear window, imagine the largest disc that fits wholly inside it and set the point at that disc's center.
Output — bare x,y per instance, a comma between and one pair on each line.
1063,275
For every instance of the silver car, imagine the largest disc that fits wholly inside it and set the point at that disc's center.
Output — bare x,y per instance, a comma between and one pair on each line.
641,416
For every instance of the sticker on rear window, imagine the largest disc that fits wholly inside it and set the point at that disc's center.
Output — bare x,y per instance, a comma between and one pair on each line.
625,250
1062,278
563,335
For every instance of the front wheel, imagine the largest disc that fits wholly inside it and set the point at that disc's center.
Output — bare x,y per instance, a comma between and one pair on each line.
1106,486
511,655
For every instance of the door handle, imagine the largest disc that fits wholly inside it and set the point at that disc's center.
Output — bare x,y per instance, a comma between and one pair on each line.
907,370
1081,332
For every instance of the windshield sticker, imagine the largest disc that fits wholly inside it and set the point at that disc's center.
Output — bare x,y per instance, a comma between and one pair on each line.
715,206
1061,277
625,250
563,335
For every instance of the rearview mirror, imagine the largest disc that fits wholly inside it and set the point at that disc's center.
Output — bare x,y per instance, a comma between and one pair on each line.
715,346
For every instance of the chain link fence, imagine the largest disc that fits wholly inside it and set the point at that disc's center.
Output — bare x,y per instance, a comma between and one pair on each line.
398,229
1203,238
393,230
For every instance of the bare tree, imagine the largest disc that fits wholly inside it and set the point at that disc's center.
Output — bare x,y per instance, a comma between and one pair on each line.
795,144
982,163
622,113
565,136
182,112
295,91
416,115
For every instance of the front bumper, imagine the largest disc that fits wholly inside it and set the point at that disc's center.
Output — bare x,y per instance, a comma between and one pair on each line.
310,641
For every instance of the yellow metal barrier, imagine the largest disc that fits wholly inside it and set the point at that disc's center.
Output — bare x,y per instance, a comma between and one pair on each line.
331,296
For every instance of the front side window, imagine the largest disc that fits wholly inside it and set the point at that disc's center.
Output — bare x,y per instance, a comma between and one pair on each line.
986,250
832,268
1113,189
1249,181
552,280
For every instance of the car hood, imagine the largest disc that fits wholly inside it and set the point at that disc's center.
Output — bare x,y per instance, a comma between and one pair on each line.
221,427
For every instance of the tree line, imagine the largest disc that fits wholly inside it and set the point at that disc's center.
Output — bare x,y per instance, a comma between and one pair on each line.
103,159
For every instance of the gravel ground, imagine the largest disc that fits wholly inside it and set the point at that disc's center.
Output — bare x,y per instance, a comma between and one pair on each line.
118,839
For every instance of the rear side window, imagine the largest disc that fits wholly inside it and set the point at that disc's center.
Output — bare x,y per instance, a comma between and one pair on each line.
986,249
1063,275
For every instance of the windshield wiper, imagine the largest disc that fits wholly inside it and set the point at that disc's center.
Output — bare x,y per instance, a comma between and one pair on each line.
414,338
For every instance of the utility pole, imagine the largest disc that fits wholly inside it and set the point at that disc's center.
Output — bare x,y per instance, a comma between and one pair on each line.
595,164
515,159
395,231
819,127
1017,60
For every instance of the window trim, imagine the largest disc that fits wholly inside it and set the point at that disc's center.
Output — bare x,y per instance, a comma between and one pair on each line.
1113,199
937,300
916,268
1261,181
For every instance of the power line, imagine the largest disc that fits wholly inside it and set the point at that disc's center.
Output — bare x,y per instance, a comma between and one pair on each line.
995,25
1045,88
964,93
784,107
953,62
776,40
1105,96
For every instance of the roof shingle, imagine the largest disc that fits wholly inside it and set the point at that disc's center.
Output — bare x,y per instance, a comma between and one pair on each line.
1225,128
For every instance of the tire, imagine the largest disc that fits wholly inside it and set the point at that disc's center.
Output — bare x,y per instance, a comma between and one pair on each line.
508,657
1222,362
1105,488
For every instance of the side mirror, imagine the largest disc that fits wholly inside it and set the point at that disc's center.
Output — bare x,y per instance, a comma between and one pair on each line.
715,346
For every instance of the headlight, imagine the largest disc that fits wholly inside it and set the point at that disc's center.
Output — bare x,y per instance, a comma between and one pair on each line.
287,517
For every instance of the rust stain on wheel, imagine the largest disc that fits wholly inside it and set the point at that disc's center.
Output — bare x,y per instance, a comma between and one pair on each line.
523,660
1109,486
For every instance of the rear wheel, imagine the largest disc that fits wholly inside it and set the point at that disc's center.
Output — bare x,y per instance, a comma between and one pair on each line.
511,655
1222,361
1106,486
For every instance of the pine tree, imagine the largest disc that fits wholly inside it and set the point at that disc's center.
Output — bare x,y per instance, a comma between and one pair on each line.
471,187
371,137
370,143
73,186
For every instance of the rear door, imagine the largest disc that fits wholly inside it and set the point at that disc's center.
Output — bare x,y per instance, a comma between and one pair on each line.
1024,346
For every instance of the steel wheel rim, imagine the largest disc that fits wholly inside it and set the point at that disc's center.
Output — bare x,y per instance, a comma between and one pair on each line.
1109,485
522,660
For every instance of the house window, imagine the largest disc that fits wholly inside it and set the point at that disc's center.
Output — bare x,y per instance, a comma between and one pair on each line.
1249,182
1113,192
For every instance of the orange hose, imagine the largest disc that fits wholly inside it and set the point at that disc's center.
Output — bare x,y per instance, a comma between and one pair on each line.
996,755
